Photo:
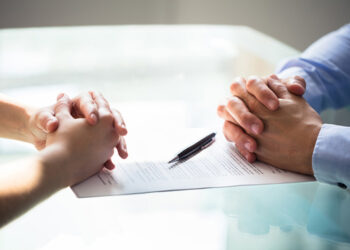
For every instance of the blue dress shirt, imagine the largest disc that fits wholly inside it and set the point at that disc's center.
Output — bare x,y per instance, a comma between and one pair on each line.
325,66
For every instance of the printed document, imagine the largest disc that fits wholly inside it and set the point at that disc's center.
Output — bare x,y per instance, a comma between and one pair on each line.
147,170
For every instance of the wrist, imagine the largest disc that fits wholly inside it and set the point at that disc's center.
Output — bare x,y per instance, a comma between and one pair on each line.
53,159
14,120
29,134
314,135
26,132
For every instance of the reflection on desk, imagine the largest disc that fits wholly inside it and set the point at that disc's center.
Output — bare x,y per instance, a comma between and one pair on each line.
286,214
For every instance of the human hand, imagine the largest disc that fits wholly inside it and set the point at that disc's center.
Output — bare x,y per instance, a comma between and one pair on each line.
290,132
245,122
43,121
77,150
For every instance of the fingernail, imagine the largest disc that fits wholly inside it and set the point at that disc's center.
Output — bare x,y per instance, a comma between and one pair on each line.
248,146
272,104
93,117
255,128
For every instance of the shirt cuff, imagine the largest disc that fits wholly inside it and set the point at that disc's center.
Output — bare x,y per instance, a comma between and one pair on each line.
331,158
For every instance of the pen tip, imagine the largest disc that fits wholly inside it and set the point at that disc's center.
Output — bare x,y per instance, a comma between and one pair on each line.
173,160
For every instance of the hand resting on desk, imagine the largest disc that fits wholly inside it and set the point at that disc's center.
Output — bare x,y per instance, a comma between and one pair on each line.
85,105
284,137
74,150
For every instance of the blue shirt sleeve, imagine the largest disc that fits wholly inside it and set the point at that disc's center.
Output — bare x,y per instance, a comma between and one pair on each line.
325,66
331,157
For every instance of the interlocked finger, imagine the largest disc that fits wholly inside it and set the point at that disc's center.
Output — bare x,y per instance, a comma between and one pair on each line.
85,106
234,133
258,87
240,113
224,114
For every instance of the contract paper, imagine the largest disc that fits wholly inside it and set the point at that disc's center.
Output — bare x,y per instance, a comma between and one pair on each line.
147,170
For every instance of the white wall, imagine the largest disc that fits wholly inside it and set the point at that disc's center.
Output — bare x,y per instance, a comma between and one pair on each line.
295,22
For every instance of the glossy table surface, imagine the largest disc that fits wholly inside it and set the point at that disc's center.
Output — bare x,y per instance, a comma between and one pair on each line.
160,76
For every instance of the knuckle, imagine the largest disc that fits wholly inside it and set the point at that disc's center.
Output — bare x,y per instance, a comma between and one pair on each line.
61,96
117,138
230,102
60,104
92,93
42,120
88,101
230,131
299,78
252,81
241,138
80,96
235,87
265,94
86,98
220,110
255,79
91,106
246,119
242,152
106,116
63,99
227,134
100,96
45,117
254,105
274,76
233,101
226,126
117,114
280,87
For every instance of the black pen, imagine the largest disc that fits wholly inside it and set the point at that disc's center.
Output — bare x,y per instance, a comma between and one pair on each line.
191,150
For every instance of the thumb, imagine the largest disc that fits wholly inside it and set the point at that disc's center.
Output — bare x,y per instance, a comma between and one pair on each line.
63,107
46,121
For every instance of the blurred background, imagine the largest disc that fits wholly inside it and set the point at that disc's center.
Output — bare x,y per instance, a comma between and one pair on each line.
296,23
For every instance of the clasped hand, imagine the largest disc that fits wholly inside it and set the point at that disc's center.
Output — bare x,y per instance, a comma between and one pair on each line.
268,120
84,145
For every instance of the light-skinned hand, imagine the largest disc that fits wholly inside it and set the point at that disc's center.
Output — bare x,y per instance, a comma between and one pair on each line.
77,150
43,121
244,122
289,133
